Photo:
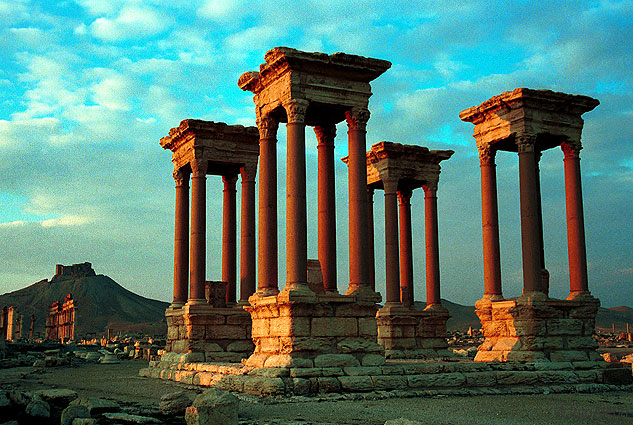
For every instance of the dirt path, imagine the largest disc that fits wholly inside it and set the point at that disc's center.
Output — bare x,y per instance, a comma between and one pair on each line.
122,383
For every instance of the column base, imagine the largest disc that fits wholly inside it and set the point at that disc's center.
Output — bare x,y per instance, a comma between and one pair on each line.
411,333
292,329
537,328
209,333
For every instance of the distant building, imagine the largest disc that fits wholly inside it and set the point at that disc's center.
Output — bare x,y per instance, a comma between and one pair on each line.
60,322
10,324
75,271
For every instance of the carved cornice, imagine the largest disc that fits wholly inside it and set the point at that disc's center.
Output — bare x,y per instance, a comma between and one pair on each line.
526,143
181,178
486,154
325,134
296,110
571,149
357,118
199,167
267,127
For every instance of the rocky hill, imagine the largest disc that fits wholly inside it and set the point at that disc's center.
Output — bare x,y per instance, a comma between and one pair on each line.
100,302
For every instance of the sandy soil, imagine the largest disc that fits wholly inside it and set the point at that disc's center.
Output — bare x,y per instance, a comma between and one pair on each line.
122,383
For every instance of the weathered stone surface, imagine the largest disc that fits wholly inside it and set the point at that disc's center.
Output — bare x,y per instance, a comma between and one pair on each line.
516,378
328,385
38,408
213,407
306,372
373,360
74,411
57,396
617,375
568,356
480,379
242,346
130,419
290,326
270,372
237,383
356,383
357,344
286,360
389,382
96,405
174,403
558,377
301,386
264,386
334,326
362,371
4,399
335,360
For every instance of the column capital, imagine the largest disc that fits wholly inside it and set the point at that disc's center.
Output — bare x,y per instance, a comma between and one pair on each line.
486,154
390,184
571,149
229,179
526,143
248,172
267,127
370,193
430,189
325,134
181,177
296,110
404,196
357,118
198,167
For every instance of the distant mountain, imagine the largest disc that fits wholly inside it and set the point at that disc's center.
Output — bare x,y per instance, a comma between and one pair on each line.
100,303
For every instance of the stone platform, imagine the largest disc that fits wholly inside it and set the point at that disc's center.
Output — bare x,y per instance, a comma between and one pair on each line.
344,374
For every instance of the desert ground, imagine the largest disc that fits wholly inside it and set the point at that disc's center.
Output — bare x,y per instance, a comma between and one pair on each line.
121,383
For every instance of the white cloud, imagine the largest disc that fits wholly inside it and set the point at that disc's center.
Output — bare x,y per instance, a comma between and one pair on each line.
67,221
222,10
132,22
113,92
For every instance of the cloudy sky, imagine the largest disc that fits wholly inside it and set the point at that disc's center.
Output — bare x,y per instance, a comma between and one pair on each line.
88,87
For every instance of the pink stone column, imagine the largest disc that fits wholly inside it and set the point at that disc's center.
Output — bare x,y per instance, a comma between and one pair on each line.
578,282
267,282
326,205
406,248
198,231
247,234
432,245
392,262
370,233
490,224
229,236
181,239
296,207
530,229
357,181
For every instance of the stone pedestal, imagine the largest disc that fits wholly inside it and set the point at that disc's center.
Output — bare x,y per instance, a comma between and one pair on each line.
411,333
294,330
217,334
537,328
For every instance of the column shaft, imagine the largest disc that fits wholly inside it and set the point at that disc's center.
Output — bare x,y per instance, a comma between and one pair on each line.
326,206
578,282
370,233
406,248
267,282
490,224
198,232
229,236
247,230
181,238
529,215
392,262
432,245
357,184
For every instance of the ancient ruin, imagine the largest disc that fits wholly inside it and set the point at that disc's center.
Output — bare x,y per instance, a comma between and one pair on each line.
534,326
214,327
75,271
60,321
405,331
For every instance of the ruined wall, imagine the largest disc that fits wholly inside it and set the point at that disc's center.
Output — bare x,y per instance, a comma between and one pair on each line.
75,271
60,321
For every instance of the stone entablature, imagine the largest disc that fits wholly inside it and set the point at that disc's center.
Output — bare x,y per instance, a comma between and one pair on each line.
60,321
76,271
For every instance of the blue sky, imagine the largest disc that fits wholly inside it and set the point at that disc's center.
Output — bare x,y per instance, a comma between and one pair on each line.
87,89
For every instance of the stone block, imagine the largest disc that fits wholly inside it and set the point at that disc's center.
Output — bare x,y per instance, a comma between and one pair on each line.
270,372
568,356
268,345
241,346
335,360
301,386
172,332
548,365
174,403
239,319
225,332
373,360
525,356
328,385
311,344
564,327
589,376
228,357
389,382
211,347
289,326
206,379
581,342
256,360
334,326
362,371
213,407
264,386
286,360
192,357
306,372
421,381
617,375
480,379
392,353
74,411
496,328
526,327
367,327
422,368
516,377
237,383
260,327
356,345
356,383
453,379
332,371
506,344
558,377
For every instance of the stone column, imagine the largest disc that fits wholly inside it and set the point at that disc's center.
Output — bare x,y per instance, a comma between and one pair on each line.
357,181
247,230
529,214
392,262
229,236
432,245
181,239
406,248
539,209
326,205
267,282
296,208
578,283
198,232
370,233
490,224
